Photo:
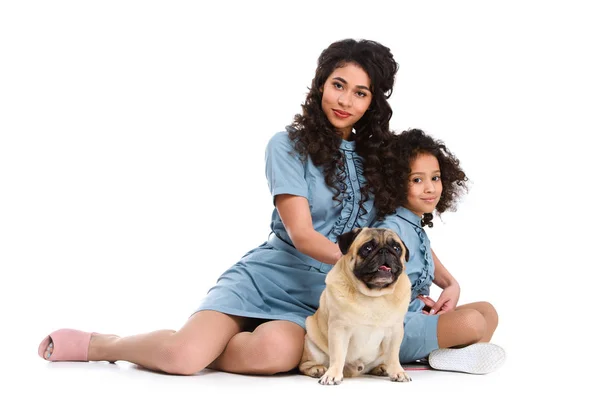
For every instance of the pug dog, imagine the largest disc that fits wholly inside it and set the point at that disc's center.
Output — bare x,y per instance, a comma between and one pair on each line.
359,324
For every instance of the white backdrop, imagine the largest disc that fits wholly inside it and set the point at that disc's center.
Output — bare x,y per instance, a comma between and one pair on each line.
133,135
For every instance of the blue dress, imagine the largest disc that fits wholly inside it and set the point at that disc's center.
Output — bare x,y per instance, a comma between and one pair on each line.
277,282
420,330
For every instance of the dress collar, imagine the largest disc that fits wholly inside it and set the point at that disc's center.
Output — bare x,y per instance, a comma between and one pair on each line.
409,216
347,145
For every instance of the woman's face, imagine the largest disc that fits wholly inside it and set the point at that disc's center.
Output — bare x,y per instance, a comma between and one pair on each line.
346,97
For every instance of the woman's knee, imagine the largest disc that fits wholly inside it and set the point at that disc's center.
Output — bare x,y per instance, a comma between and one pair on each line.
179,358
278,350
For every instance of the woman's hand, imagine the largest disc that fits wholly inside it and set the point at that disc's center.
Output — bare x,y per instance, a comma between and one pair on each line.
447,301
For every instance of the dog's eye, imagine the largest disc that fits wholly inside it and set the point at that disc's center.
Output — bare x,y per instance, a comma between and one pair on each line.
397,248
366,249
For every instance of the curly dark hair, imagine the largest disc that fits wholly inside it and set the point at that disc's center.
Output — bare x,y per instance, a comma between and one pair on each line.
316,137
414,142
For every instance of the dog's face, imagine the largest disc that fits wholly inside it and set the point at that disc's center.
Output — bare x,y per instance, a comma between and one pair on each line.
376,255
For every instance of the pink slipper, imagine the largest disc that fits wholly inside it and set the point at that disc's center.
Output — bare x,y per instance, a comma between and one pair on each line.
69,345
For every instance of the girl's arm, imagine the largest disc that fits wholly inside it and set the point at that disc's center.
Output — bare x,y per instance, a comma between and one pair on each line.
450,290
295,215
443,278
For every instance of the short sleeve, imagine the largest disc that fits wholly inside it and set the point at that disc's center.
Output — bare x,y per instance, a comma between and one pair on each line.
393,222
284,168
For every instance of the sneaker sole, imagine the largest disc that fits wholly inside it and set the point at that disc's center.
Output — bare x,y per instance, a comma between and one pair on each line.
478,358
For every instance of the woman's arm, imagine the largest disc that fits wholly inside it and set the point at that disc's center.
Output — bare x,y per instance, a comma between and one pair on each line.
295,215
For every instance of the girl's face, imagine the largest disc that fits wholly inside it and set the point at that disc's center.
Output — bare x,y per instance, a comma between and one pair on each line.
346,97
424,184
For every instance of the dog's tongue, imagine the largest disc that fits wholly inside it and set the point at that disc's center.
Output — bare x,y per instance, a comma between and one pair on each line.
384,268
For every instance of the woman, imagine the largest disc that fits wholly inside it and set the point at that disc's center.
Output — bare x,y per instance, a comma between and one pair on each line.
324,173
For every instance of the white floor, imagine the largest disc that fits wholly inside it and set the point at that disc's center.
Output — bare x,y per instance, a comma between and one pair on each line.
31,377
124,380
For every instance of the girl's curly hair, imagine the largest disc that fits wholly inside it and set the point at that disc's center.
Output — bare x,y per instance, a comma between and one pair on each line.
414,142
316,137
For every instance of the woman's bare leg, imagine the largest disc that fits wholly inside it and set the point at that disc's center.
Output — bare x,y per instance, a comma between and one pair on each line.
187,351
274,346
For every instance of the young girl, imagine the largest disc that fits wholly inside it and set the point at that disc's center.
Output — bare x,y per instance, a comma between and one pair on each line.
453,338
324,173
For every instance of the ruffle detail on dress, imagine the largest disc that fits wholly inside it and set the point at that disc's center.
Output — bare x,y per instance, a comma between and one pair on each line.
351,202
423,283
363,216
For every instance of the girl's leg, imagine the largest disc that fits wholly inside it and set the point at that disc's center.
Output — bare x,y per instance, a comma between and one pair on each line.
489,314
274,346
463,336
467,324
187,351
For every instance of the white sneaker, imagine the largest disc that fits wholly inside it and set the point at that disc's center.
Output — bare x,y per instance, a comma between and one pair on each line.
478,358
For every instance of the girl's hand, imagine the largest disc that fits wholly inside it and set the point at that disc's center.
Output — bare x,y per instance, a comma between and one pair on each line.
447,301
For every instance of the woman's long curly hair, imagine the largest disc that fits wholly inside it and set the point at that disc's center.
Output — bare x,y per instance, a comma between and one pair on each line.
316,137
414,142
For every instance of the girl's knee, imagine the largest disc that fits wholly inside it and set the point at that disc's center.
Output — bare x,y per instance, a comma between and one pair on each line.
490,314
475,325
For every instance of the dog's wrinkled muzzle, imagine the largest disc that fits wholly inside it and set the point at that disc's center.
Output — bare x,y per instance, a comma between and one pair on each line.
381,270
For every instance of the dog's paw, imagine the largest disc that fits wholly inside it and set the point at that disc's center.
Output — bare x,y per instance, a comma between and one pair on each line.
379,370
316,371
332,377
399,376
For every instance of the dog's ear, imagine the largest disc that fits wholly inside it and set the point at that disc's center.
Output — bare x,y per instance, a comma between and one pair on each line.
345,239
406,253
